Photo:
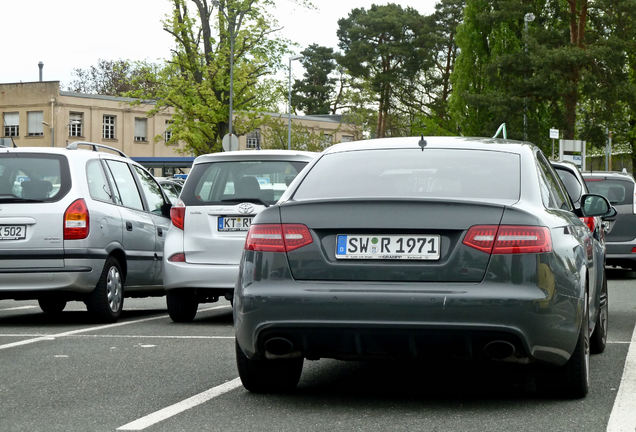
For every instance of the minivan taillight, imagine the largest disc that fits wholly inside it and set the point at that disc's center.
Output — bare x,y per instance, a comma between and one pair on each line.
76,221
277,237
509,239
177,215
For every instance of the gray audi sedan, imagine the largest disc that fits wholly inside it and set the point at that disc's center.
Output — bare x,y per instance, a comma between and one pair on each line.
459,248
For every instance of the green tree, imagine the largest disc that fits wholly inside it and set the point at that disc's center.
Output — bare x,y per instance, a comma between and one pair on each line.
196,80
382,47
115,78
315,92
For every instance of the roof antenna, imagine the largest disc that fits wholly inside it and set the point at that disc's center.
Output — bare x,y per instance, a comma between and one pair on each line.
502,128
422,143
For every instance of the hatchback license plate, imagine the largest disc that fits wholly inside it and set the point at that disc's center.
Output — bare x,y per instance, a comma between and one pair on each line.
234,223
388,247
12,232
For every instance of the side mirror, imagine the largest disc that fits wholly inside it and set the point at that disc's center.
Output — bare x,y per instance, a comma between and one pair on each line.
611,216
596,205
165,209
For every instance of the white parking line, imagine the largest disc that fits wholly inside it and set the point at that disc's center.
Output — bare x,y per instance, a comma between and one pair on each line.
17,308
90,329
623,417
179,407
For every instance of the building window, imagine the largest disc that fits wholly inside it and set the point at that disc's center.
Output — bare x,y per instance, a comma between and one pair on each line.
108,128
140,129
76,125
327,139
253,140
167,135
34,123
11,124
346,138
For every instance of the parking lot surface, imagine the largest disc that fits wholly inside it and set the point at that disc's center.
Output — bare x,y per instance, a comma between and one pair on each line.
148,373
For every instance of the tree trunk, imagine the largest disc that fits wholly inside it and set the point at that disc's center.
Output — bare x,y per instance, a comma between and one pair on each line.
578,18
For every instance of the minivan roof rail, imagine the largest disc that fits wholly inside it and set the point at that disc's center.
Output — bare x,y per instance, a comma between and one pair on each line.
74,146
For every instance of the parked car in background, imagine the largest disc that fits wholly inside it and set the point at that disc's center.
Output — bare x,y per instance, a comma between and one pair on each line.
618,188
460,248
171,187
576,188
221,196
79,225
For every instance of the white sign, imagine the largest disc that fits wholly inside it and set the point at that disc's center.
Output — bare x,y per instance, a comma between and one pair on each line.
554,133
575,159
230,142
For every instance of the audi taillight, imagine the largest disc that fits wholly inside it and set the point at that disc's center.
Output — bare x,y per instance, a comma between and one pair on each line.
277,237
509,239
177,214
76,221
590,222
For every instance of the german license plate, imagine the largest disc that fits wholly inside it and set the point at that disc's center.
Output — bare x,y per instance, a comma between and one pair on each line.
12,232
234,223
388,247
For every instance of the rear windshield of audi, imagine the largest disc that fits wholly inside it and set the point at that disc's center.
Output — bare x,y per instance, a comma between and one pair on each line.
616,191
231,182
33,177
413,173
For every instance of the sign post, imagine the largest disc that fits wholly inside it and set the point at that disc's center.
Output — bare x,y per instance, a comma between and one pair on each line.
554,134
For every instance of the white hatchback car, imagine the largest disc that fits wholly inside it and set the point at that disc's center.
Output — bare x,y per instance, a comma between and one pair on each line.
221,195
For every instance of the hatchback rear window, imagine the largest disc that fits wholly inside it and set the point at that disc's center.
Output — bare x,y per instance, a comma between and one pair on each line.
261,182
412,173
616,191
33,177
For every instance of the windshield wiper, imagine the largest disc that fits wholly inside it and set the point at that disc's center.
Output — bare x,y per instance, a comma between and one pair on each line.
252,200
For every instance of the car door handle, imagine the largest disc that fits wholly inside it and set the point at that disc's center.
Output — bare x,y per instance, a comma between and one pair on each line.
128,226
160,232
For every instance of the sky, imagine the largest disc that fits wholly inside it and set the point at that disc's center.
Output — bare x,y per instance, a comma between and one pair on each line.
70,34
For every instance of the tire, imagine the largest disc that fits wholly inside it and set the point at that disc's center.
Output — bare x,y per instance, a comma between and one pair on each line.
598,340
106,301
51,306
182,305
268,376
576,372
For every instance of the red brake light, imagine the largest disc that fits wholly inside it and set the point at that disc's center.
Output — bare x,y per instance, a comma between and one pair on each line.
509,239
177,215
590,222
178,257
76,221
277,237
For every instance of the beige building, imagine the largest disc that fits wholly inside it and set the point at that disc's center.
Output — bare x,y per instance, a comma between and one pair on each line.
40,114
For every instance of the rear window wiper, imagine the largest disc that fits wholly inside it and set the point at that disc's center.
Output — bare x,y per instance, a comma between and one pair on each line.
10,198
252,200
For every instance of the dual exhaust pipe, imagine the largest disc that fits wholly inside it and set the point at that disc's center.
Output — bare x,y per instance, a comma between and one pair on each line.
281,348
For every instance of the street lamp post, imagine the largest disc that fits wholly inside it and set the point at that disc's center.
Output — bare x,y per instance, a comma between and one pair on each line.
527,18
289,103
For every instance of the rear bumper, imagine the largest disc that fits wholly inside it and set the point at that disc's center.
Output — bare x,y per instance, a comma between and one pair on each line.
620,253
356,321
185,275
77,276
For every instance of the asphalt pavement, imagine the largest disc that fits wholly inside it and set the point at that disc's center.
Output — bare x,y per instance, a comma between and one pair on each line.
147,373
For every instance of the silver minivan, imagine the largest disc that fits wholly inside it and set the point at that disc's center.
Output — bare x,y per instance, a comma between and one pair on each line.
79,225
221,196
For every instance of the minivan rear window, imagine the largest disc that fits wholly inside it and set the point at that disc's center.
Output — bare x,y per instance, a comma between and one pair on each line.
33,177
616,191
228,182
413,173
